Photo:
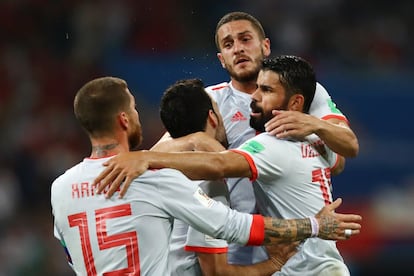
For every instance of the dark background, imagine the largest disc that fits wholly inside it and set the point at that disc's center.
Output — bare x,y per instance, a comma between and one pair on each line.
362,52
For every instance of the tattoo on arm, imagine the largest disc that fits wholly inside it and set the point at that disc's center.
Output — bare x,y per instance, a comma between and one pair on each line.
280,230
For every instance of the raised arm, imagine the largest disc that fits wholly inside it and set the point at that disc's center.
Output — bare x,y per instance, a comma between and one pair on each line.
336,134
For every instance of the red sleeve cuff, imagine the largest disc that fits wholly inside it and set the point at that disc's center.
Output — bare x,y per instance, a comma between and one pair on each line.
249,159
339,117
257,231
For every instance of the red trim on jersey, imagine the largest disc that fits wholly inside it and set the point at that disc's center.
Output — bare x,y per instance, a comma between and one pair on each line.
209,250
339,117
257,231
218,87
249,159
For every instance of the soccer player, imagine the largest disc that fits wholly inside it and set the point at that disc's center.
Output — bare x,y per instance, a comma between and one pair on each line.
242,44
131,235
187,108
291,178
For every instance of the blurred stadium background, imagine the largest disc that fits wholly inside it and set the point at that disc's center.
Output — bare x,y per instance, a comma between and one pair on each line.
362,52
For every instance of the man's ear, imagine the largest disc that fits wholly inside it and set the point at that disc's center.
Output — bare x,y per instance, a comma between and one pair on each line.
266,47
212,118
123,120
221,59
296,102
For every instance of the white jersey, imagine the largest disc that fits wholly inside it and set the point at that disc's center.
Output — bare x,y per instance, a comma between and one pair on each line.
234,106
132,235
186,242
292,180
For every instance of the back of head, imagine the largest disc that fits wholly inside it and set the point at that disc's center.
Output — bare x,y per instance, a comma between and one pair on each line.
185,107
98,102
238,15
296,76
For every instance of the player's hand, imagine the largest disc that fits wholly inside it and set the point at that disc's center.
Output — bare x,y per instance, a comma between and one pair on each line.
292,124
332,225
280,253
121,169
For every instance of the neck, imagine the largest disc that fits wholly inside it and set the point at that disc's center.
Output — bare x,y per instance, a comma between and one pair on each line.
246,87
105,150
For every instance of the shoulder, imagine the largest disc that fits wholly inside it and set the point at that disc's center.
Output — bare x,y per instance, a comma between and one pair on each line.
261,143
323,106
160,185
164,177
321,90
66,176
218,88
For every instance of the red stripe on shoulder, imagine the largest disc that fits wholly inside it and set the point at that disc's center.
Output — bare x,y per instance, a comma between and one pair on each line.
218,87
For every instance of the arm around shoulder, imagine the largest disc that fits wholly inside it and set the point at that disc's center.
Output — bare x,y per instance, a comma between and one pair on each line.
339,137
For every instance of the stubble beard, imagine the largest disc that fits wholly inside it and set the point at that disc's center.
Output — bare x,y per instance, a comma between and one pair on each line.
246,76
258,123
135,139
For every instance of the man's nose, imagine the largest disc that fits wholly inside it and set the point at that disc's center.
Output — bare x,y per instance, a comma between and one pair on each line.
238,46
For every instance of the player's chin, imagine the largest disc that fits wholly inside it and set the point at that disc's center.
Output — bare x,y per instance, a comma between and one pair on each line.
245,71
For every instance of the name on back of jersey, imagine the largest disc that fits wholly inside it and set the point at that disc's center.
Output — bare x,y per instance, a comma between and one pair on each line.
86,189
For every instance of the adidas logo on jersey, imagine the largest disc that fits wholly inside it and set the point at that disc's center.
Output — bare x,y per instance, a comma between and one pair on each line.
238,117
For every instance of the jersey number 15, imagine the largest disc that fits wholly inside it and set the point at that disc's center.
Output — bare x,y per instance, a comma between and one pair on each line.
105,241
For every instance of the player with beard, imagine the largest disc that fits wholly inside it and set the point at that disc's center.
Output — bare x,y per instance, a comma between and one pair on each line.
291,178
130,236
186,108
242,45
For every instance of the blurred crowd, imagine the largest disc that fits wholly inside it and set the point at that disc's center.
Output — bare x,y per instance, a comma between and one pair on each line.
49,48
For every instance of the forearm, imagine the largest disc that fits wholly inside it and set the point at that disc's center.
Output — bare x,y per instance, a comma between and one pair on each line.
197,165
264,268
338,137
286,230
216,264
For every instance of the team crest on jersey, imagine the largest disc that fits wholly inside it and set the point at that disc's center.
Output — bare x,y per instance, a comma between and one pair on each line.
253,147
203,198
333,107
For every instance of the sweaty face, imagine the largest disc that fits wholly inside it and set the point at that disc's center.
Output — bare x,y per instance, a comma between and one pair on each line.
135,131
241,50
269,95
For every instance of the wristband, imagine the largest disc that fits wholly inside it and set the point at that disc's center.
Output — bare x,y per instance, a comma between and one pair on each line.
315,227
